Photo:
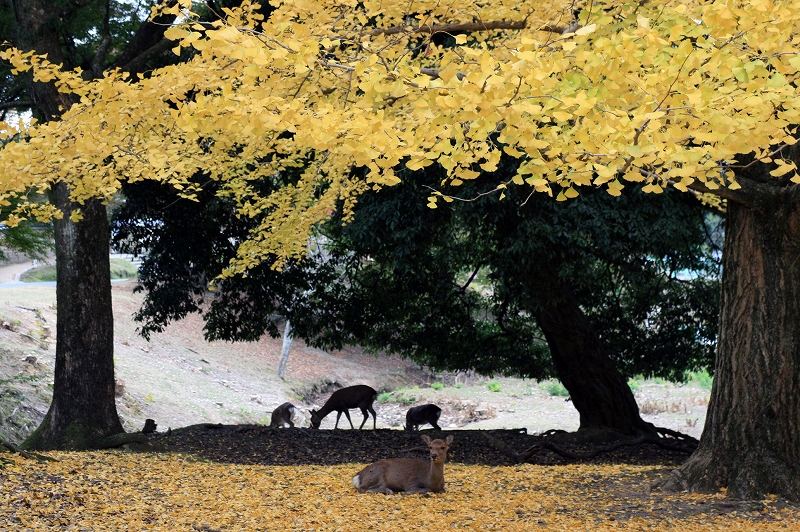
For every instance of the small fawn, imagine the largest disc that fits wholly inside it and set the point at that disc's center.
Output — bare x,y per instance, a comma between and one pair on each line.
359,396
406,475
282,415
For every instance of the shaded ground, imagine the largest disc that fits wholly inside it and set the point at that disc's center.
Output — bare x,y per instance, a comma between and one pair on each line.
632,496
258,444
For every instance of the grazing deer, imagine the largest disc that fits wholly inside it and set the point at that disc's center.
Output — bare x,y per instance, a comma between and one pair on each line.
283,415
419,415
359,396
406,475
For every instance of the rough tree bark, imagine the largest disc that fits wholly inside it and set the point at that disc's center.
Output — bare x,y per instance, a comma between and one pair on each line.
598,390
83,412
751,439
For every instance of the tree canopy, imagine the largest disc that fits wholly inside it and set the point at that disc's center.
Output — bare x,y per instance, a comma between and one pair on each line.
445,287
664,95
699,96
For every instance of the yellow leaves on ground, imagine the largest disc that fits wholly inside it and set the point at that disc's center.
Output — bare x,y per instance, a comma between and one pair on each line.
112,491
665,93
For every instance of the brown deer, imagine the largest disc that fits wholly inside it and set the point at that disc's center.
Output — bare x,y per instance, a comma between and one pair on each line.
282,415
406,475
419,415
359,396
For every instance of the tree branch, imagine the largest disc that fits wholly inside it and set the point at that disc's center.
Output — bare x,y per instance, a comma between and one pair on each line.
138,63
452,28
147,42
105,43
753,194
470,27
17,104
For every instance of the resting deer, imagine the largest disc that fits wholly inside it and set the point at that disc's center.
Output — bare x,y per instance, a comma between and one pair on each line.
406,475
419,415
359,396
283,415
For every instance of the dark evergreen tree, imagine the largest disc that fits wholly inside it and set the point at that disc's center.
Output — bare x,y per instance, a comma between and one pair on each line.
524,287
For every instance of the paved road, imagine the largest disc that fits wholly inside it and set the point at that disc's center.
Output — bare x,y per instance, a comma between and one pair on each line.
10,272
18,264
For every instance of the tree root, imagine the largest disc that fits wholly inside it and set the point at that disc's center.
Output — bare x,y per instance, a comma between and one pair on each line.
664,432
26,454
123,438
526,455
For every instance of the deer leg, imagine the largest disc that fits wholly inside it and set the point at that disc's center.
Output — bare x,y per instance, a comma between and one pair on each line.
346,413
338,415
374,417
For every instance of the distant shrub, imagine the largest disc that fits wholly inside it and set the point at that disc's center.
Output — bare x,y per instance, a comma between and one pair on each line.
396,397
437,385
555,388
701,379
493,386
384,397
634,385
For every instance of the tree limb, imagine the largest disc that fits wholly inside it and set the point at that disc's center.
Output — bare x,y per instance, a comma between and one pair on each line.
118,440
753,194
138,63
149,40
452,28
16,104
470,27
105,43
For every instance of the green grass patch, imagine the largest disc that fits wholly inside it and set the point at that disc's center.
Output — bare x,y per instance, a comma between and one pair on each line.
396,396
701,379
120,269
555,388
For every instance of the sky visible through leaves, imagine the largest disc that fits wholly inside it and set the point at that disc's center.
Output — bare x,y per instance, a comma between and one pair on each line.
104,491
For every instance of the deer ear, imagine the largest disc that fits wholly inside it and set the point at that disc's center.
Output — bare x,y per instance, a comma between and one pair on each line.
449,440
426,439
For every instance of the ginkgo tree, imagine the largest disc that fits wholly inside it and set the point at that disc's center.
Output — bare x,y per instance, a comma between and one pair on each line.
700,96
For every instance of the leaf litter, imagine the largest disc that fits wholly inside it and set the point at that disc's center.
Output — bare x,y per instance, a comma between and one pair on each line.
113,490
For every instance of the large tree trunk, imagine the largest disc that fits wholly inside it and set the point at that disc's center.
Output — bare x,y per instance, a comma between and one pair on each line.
83,411
598,390
751,440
